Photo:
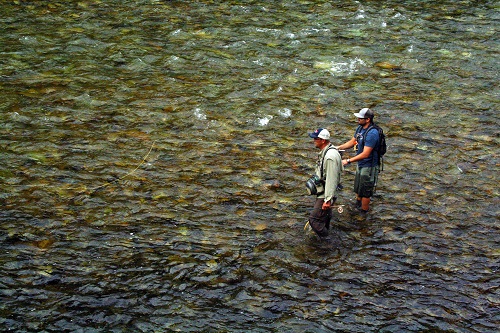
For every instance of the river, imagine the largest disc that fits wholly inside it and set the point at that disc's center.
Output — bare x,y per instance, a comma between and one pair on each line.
154,157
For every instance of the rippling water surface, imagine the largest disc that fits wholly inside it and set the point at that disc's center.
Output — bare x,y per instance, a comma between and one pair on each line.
154,153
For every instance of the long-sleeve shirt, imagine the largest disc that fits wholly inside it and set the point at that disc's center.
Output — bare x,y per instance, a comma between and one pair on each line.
332,168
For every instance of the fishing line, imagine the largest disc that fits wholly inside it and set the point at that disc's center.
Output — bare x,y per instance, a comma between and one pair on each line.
90,192
121,178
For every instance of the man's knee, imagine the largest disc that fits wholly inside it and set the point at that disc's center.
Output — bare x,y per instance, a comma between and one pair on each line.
320,221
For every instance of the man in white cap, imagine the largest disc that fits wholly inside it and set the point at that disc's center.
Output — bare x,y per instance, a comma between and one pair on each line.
364,142
325,182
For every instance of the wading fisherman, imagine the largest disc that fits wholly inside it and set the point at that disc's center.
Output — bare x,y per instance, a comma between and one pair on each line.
324,184
364,141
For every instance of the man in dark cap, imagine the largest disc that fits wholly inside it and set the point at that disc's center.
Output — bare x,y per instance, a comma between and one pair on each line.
325,182
364,142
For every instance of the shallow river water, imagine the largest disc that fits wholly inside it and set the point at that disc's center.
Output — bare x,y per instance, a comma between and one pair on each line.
154,155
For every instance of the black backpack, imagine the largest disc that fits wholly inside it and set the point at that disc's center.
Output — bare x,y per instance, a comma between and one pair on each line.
381,148
382,145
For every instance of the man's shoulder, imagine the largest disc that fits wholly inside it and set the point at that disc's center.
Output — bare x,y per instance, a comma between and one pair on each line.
372,133
332,153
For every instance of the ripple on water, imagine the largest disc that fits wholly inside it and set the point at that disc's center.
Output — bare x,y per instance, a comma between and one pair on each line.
154,159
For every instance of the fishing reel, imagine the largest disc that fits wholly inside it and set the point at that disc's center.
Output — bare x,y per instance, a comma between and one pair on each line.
315,185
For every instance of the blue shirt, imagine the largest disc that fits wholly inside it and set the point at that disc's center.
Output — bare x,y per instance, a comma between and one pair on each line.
370,141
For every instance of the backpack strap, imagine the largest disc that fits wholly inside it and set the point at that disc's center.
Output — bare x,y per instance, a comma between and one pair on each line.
369,128
323,159
358,130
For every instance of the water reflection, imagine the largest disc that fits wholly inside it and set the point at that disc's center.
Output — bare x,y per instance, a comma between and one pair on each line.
154,155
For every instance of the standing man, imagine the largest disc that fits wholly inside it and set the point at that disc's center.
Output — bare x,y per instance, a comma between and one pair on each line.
324,184
364,142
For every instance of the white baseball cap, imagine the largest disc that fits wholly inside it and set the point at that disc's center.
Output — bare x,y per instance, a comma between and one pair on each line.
364,113
320,133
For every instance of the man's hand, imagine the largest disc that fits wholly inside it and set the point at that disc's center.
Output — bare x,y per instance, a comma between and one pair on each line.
326,205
